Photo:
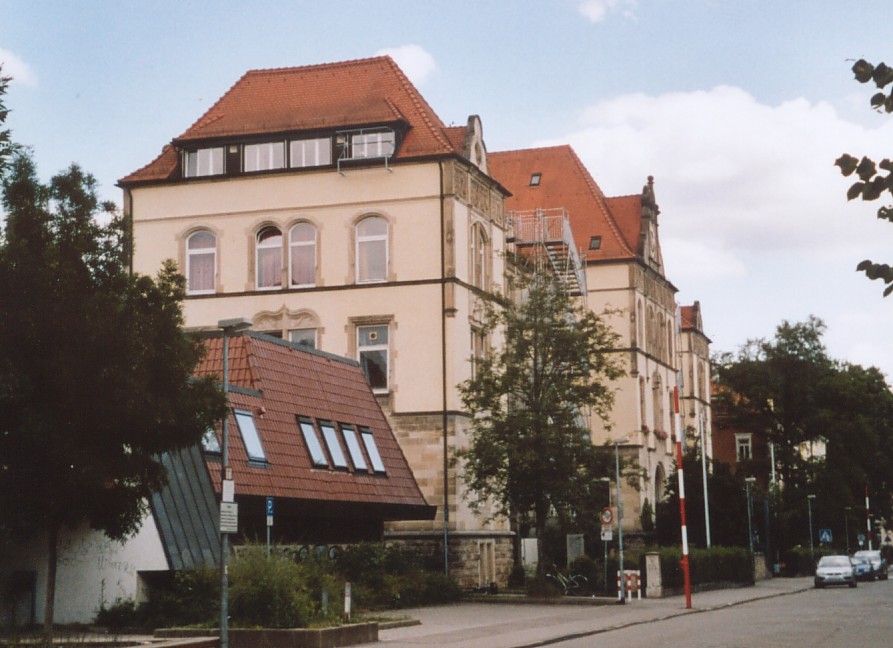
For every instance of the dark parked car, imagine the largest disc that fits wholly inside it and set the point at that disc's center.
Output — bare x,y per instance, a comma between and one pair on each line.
878,563
864,570
835,570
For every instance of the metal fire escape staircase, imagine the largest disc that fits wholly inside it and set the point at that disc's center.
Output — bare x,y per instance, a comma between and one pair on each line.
543,237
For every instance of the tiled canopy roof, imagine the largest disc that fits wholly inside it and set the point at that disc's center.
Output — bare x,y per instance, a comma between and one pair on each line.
278,381
565,183
344,95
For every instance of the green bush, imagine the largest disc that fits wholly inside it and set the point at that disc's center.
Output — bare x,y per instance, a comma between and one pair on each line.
393,576
268,591
120,614
717,564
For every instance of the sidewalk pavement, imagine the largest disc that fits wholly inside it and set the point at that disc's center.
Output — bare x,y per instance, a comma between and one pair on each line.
525,625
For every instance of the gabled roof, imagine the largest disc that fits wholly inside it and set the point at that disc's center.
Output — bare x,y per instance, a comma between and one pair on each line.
565,183
277,381
692,319
345,95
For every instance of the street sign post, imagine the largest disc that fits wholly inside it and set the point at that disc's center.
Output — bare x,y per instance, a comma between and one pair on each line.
229,517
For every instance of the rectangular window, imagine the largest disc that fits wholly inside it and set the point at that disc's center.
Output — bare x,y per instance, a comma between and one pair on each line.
263,157
335,451
372,349
249,436
353,447
371,145
310,152
744,446
304,336
317,456
372,450
204,162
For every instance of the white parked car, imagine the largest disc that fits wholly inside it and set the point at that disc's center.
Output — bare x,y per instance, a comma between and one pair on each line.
835,570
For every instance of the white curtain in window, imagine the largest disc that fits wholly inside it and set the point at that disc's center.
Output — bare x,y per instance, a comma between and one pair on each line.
269,258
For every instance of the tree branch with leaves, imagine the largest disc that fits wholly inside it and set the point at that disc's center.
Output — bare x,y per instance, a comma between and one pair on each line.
531,453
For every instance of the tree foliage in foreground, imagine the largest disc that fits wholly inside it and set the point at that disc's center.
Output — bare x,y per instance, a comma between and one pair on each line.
531,452
874,178
95,370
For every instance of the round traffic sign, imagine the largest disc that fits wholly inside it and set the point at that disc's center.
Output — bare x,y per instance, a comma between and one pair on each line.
606,516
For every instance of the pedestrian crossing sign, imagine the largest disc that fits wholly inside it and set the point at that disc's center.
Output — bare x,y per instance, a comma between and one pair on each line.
825,536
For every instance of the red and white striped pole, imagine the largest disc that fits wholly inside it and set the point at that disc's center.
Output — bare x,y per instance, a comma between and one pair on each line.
678,425
868,517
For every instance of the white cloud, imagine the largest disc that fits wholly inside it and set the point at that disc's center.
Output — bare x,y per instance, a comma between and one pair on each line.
415,62
734,174
754,218
597,10
16,68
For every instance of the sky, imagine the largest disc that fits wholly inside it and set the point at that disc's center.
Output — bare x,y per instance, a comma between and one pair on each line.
738,108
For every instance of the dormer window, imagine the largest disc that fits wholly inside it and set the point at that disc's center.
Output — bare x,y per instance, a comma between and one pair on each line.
310,152
203,162
372,145
264,157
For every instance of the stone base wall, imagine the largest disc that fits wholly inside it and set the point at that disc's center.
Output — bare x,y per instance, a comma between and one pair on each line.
469,555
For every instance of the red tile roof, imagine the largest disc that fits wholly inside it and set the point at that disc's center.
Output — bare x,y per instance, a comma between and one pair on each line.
278,381
349,94
566,183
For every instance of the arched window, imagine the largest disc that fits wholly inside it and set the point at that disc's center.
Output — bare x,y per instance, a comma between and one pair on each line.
657,398
480,249
269,258
302,255
201,262
372,249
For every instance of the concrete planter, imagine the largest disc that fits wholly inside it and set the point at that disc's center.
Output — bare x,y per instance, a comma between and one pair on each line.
346,635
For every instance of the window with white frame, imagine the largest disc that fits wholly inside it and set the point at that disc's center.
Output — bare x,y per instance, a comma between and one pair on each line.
302,255
263,157
371,145
372,249
303,336
310,152
250,437
373,355
372,450
269,258
331,438
204,162
353,447
201,262
479,257
314,448
744,447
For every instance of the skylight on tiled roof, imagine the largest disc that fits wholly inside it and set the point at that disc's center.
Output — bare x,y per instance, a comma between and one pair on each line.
535,179
595,243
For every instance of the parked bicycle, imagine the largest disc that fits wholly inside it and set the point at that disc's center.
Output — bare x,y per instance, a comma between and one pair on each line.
570,584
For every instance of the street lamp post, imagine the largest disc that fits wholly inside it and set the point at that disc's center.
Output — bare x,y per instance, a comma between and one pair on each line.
229,327
607,480
846,527
748,482
809,499
617,443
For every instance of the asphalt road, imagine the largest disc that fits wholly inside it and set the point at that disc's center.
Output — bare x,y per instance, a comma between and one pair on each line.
832,617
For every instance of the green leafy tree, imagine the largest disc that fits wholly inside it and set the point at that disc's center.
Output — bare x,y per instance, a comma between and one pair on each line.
791,391
874,178
95,369
728,506
530,451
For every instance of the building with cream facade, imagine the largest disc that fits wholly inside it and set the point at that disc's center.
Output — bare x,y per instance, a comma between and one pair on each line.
331,206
